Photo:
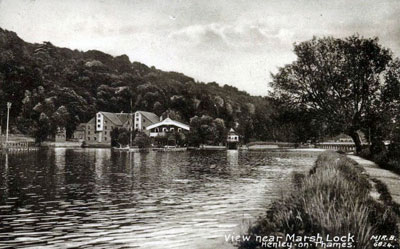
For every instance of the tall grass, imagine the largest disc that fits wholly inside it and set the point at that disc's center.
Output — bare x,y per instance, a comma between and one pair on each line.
333,199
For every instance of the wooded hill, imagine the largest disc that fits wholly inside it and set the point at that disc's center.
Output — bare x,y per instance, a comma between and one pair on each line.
51,86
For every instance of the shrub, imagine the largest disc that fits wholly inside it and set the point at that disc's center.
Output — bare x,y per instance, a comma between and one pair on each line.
142,140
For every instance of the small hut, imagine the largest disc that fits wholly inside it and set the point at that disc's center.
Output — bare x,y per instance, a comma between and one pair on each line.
232,140
61,135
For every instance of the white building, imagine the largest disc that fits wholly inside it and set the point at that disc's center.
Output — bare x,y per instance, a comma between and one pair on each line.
233,137
142,120
167,126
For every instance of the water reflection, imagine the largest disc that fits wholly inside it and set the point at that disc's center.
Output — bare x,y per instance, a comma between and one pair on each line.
4,178
232,157
98,198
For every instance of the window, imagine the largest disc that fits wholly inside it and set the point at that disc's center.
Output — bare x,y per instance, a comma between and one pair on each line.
105,133
105,127
144,120
95,138
144,127
98,121
88,127
156,129
137,125
88,132
172,129
98,126
137,114
105,139
88,138
164,129
137,119
99,115
179,129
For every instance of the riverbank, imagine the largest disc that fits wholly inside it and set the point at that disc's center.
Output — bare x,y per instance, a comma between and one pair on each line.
335,198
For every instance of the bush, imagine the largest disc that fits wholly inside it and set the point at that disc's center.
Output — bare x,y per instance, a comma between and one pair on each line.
142,140
120,137
386,159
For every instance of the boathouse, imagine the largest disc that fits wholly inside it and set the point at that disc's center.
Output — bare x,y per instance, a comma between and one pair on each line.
167,126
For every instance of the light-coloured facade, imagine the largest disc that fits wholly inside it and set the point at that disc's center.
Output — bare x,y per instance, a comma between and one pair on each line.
232,137
167,126
142,120
98,129
61,135
79,133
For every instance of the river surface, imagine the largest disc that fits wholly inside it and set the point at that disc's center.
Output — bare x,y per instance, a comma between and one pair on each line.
96,198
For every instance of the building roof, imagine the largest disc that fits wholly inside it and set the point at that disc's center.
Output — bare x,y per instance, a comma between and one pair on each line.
124,117
117,118
169,121
112,117
150,116
232,132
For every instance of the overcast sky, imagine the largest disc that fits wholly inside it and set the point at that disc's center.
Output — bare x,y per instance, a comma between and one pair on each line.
231,42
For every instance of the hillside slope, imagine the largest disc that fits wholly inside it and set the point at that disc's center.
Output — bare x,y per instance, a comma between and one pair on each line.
64,87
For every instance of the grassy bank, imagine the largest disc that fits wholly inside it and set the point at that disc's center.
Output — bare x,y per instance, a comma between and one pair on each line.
334,198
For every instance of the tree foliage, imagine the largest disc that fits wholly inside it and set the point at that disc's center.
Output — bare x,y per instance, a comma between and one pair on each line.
340,81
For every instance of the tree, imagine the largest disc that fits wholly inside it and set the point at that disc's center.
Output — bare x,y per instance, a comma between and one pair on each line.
220,129
120,137
42,128
142,140
337,79
205,130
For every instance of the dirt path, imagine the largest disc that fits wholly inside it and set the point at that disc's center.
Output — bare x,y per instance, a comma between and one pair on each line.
391,179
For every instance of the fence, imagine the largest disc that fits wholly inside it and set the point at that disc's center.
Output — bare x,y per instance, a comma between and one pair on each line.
345,147
18,145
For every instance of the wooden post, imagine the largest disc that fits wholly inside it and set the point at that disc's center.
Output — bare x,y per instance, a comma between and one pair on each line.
8,120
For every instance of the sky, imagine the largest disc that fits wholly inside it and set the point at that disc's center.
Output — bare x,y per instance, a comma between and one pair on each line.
234,42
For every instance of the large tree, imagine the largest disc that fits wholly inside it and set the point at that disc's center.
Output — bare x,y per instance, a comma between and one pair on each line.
338,79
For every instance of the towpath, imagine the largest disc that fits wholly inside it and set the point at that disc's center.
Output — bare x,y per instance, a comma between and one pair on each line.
391,179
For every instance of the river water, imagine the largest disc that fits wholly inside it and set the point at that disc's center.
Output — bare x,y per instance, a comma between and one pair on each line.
96,198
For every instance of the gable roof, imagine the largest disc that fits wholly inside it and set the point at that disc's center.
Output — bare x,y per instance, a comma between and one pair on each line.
124,117
232,132
168,121
92,120
112,117
150,116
